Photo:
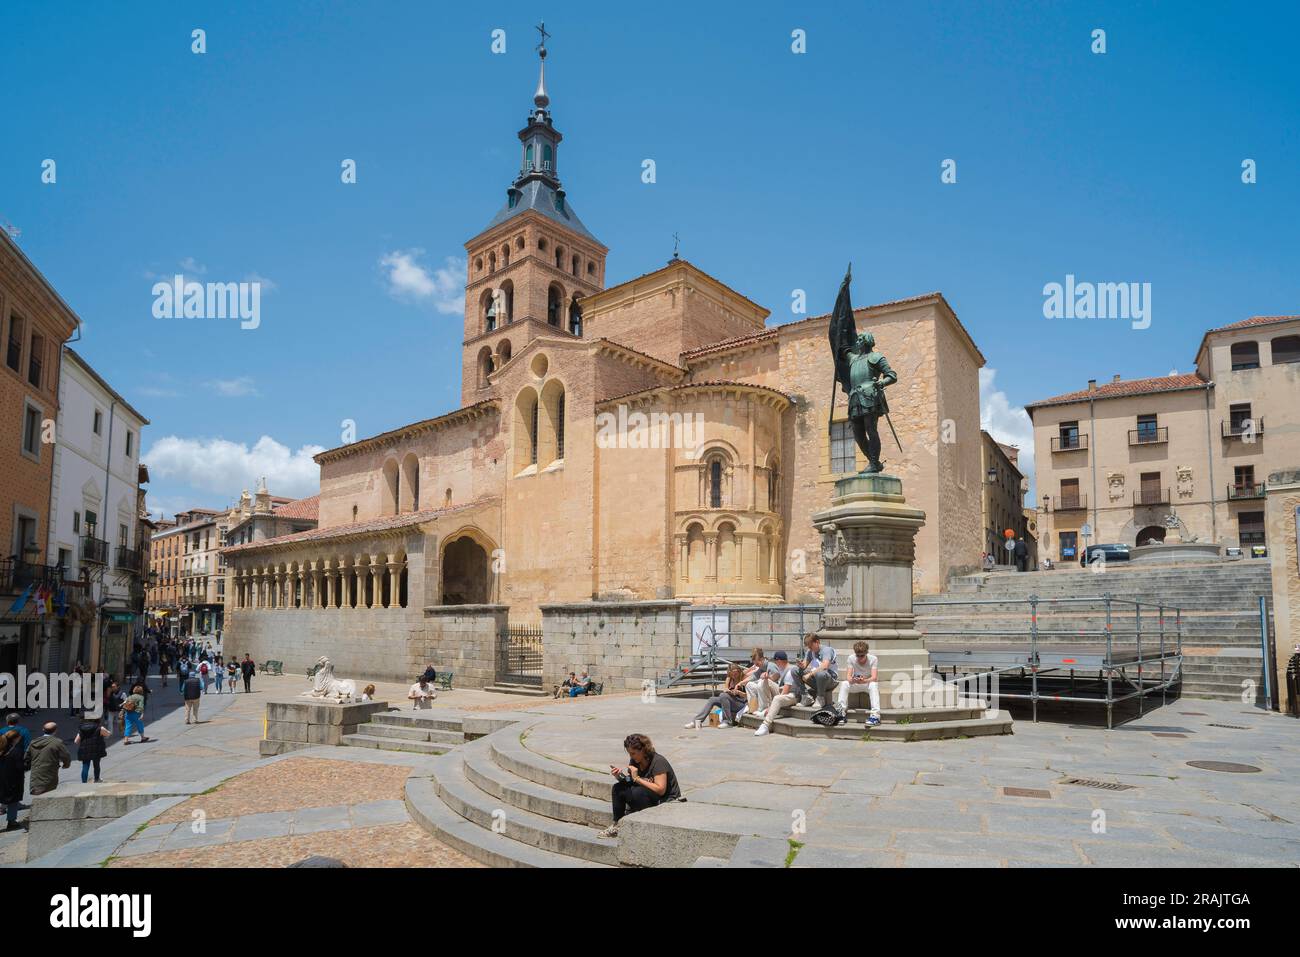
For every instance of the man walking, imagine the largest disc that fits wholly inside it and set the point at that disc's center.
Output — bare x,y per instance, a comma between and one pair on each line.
249,669
44,758
192,692
1022,555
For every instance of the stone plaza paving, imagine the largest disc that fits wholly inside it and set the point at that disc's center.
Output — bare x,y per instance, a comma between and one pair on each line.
978,802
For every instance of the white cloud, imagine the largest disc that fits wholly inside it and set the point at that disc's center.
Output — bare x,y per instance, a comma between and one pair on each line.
410,280
268,285
225,467
233,388
191,265
1008,424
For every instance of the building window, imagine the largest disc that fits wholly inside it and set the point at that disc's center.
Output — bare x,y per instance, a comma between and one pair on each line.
774,487
1286,349
14,354
1245,355
1250,529
559,428
532,433
32,431
1239,417
98,425
1069,435
130,443
35,359
1147,429
554,304
76,523
715,483
843,449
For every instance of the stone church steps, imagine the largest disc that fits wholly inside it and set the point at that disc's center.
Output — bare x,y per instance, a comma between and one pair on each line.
408,731
535,825
894,726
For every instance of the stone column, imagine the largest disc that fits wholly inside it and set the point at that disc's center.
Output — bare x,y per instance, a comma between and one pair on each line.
376,585
710,556
868,550
393,573
684,557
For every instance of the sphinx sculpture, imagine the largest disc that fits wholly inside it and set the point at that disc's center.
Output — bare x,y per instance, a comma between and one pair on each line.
325,685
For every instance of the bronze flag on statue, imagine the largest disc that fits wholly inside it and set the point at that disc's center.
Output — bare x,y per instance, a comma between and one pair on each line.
843,335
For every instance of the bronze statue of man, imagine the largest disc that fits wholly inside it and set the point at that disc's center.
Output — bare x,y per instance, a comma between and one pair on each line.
869,374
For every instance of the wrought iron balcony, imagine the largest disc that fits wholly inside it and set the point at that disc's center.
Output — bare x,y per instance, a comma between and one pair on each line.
94,550
1151,496
1069,503
127,559
1247,490
1155,436
1241,428
1069,443
17,575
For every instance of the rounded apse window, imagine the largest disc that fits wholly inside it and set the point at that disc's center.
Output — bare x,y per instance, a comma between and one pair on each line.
539,365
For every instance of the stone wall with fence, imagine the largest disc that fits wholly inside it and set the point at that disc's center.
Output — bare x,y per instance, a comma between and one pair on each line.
625,643
461,639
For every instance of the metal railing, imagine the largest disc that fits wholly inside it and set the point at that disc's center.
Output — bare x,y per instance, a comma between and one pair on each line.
1140,662
1069,443
519,655
1067,503
16,575
94,550
1148,436
1241,428
127,559
1246,491
1151,496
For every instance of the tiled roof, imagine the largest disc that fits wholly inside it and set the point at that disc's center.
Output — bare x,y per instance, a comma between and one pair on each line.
303,508
410,429
858,311
1126,387
1254,321
707,383
540,197
385,524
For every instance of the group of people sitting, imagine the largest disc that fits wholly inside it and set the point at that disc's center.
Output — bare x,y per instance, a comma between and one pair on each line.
573,686
818,679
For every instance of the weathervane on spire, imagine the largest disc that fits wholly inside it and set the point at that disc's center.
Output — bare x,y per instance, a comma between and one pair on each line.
541,47
676,243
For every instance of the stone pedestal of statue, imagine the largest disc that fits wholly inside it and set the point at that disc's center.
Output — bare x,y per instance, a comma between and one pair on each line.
868,550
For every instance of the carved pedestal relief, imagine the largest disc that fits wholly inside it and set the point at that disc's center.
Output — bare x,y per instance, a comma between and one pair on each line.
1184,481
1116,482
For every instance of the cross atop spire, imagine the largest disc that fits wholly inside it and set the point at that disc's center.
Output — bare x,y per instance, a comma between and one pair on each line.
540,99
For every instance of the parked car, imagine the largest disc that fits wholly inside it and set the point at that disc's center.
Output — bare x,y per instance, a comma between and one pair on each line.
1109,553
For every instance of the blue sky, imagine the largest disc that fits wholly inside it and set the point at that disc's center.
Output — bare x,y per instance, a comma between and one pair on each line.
775,168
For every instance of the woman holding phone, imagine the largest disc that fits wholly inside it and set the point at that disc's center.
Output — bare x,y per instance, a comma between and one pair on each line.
646,781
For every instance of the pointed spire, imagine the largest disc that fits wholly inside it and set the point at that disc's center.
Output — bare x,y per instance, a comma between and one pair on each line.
540,99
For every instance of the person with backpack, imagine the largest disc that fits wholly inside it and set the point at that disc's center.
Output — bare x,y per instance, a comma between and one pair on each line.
133,709
205,673
192,691
92,745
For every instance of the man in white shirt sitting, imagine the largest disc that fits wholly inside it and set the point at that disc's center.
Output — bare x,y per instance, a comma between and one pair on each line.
761,679
791,689
421,694
860,677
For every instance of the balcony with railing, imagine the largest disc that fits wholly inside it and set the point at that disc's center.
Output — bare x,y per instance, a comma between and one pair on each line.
1151,436
17,576
94,550
1246,490
1151,496
1069,443
1241,428
1069,503
127,559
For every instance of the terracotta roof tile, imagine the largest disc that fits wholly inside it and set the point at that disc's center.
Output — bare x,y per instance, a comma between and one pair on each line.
387,523
726,383
303,508
1254,321
1126,387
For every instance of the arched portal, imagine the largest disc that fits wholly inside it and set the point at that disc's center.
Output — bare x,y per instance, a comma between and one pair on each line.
464,572
1151,535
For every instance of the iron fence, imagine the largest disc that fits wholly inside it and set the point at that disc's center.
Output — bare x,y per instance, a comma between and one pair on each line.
519,655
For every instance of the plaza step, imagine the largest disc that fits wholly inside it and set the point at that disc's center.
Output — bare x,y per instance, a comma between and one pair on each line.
528,691
960,712
461,785
482,844
999,723
384,743
510,754
415,732
487,776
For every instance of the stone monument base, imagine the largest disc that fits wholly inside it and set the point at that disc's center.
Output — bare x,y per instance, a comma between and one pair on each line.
296,723
868,552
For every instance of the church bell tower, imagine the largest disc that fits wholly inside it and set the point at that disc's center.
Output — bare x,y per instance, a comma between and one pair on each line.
533,262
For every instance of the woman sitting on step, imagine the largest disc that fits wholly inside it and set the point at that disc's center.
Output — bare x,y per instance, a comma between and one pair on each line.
647,781
731,701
